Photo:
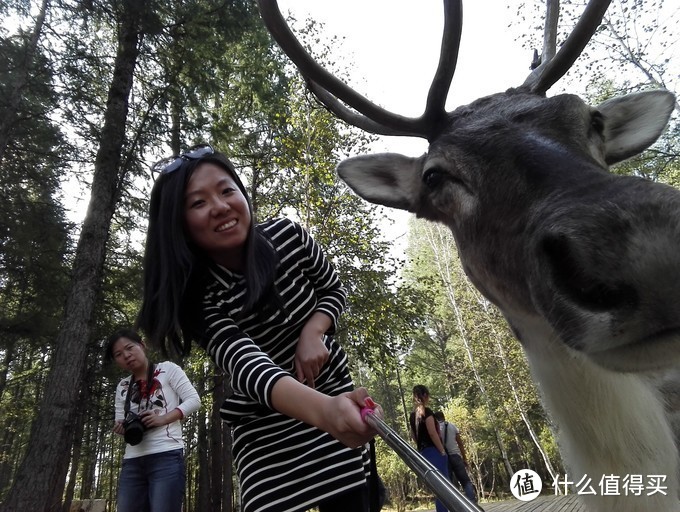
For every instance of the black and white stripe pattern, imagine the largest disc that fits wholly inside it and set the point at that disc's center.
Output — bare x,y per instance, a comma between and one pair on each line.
283,464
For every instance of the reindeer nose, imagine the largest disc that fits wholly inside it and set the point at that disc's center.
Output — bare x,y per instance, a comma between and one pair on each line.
607,267
572,273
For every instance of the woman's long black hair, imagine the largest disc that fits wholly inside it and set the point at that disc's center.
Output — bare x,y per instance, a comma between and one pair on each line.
420,394
176,271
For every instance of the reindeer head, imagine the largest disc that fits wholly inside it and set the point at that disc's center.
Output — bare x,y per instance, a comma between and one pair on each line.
565,249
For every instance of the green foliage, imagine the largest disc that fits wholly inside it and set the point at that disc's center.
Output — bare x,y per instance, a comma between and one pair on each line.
400,483
33,230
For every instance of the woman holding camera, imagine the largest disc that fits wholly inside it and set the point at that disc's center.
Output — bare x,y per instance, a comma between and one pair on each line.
150,404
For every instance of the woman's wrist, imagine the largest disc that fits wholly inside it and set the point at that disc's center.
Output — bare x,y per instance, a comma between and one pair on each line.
298,401
318,323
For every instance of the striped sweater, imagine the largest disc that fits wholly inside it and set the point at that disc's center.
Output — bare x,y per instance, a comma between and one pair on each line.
282,463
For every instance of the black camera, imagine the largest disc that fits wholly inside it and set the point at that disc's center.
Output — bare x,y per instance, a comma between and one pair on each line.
134,429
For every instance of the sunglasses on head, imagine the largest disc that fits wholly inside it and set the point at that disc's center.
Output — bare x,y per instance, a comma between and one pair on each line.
172,163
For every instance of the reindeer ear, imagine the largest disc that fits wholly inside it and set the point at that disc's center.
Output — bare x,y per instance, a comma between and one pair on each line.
633,122
389,179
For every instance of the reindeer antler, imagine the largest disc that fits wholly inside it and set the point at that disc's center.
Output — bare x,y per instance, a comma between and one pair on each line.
358,111
554,68
369,116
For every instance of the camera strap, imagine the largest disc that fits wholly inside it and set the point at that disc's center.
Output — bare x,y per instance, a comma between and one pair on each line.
128,396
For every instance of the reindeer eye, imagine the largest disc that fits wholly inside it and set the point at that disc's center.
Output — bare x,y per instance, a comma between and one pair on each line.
433,177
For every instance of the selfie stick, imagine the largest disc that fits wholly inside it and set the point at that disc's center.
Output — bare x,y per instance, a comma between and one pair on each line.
441,486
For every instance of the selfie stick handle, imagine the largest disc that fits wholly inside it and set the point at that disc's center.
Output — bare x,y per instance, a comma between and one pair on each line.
441,486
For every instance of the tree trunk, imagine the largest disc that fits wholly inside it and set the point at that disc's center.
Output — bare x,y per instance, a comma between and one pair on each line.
523,415
389,400
228,491
221,461
79,439
403,399
203,449
500,350
12,427
9,347
75,462
39,483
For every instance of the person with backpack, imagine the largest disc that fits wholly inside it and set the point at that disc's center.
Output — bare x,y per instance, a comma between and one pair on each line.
455,451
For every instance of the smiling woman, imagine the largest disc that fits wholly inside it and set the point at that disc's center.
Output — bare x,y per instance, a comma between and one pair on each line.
217,215
263,302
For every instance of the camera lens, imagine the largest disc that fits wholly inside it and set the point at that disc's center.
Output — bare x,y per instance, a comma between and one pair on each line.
134,433
134,429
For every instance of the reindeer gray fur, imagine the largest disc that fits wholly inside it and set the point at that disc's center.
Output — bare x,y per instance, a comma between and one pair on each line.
584,264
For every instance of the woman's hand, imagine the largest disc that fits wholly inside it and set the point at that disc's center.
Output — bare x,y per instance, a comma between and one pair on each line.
339,415
118,428
342,418
311,352
152,420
